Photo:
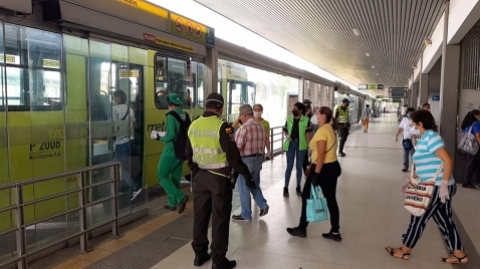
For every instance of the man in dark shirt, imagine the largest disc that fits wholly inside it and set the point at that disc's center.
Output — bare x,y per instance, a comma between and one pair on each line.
212,153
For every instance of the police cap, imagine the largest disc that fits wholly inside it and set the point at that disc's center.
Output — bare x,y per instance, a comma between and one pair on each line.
215,100
346,101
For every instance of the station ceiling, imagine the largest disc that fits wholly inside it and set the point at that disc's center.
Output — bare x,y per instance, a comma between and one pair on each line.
360,41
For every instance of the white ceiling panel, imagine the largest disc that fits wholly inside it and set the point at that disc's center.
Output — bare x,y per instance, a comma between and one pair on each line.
322,32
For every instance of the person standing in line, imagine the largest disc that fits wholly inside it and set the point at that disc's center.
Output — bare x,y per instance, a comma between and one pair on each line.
122,113
212,153
297,131
309,114
426,106
171,162
431,154
257,113
323,171
250,139
342,116
471,123
366,116
407,143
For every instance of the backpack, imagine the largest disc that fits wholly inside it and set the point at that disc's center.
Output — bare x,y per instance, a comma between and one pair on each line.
181,141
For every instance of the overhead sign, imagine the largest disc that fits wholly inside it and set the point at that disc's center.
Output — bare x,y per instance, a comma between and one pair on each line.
167,43
370,86
191,29
145,6
398,92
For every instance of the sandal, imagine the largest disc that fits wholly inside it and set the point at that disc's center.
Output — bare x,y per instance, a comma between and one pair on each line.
391,251
458,261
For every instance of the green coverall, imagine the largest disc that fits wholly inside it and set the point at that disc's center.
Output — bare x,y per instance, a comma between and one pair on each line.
169,163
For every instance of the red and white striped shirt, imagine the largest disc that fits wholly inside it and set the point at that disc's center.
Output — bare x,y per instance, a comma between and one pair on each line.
250,138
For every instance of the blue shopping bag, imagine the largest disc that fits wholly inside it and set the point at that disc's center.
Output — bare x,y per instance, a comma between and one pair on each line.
317,205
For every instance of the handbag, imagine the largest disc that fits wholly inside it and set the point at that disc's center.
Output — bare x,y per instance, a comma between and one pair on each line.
407,144
469,144
419,194
316,205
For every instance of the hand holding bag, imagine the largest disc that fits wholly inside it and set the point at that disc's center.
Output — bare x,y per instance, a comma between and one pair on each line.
316,206
419,194
469,143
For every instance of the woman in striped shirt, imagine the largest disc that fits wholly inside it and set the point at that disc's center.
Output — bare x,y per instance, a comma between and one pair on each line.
428,158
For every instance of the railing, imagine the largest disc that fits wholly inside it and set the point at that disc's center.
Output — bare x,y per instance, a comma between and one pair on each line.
277,138
81,176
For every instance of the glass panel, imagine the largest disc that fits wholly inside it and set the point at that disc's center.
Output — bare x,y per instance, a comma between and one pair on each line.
200,85
171,76
242,84
8,247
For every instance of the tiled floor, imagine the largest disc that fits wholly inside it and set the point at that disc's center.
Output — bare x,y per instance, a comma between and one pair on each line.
372,216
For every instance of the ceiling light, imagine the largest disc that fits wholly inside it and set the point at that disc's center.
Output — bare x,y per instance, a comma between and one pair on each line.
368,54
377,74
356,32
373,66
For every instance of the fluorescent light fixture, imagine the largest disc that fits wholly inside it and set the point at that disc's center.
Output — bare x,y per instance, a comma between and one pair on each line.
241,36
356,32
368,54
373,66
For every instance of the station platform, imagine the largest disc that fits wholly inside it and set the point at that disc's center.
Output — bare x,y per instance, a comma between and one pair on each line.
371,217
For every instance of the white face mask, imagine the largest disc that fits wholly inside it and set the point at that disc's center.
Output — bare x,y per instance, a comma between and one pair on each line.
313,120
257,114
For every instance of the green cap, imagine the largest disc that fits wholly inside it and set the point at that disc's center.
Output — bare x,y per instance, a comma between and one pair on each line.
173,97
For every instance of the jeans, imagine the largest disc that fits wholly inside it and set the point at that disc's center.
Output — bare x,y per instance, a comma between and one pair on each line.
122,155
254,166
472,168
407,154
294,151
328,182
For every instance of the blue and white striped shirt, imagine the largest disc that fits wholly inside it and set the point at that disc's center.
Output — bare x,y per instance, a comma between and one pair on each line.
426,162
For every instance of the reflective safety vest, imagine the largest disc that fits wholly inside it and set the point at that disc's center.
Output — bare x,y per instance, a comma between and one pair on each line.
302,128
204,135
343,115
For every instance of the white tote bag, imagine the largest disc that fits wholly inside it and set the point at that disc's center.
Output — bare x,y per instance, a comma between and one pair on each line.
419,194
469,143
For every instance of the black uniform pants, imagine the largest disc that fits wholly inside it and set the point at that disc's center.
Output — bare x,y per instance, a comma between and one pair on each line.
212,196
306,161
343,133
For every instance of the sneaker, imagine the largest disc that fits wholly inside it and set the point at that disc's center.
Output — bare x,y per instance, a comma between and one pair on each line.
171,208
285,192
297,232
201,259
135,194
225,264
299,191
181,206
239,218
264,212
332,236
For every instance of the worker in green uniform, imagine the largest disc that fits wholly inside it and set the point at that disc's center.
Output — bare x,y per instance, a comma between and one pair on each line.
173,155
212,153
342,115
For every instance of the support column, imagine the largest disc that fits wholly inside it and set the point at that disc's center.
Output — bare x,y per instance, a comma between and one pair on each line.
211,72
449,90
423,89
414,102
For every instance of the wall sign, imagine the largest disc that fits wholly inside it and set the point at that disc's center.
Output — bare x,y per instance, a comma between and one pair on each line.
191,29
436,97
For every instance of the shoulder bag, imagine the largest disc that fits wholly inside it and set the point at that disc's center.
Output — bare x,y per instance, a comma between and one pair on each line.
469,143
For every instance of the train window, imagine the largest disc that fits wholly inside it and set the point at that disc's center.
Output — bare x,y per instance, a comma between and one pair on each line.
200,85
32,64
173,76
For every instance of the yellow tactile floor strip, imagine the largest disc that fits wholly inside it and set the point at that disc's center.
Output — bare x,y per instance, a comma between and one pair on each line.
99,252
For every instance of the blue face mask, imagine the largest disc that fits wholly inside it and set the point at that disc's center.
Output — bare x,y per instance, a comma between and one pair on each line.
408,116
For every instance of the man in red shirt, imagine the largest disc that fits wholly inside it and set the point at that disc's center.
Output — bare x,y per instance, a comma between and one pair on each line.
250,139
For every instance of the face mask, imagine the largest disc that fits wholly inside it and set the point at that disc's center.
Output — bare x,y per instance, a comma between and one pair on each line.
313,120
408,116
257,114
295,113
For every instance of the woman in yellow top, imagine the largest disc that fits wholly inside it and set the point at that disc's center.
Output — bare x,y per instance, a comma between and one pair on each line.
257,112
323,171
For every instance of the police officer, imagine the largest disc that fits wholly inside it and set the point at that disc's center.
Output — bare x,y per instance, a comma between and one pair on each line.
342,115
212,153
